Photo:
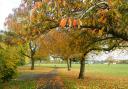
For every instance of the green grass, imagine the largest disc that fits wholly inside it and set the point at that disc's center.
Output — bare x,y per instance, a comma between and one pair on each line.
113,69
27,84
71,81
98,76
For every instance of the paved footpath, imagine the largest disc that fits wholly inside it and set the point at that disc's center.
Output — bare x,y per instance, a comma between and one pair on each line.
53,81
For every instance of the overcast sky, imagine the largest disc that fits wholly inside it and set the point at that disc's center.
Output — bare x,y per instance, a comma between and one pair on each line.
117,54
6,7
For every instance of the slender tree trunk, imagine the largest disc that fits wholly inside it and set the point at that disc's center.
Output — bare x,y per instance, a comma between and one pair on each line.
68,65
32,63
40,60
33,50
82,68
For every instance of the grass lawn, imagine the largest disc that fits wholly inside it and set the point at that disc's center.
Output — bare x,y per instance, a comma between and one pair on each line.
112,70
98,76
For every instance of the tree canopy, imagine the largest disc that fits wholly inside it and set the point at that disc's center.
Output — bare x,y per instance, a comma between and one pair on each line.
71,26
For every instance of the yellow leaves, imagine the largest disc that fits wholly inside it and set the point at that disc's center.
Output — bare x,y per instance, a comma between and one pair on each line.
110,2
37,6
89,21
102,16
98,32
69,22
93,22
118,15
64,3
33,10
115,3
59,1
101,31
79,23
102,20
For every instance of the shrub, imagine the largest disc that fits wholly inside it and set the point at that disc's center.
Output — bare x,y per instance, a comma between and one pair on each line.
8,62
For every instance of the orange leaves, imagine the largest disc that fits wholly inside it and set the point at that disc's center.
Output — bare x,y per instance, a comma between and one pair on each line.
63,22
46,1
75,23
70,22
110,2
38,4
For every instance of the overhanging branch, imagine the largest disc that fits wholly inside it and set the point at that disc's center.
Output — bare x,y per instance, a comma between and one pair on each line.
25,55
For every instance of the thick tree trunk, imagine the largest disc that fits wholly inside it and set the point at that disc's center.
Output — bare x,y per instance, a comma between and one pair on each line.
32,63
68,65
82,69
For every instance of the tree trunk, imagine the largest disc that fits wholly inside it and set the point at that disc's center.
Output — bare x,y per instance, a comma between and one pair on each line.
33,50
68,65
40,60
82,69
32,63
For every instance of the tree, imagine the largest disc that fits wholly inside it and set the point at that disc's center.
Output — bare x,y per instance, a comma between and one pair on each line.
94,25
110,60
57,44
20,24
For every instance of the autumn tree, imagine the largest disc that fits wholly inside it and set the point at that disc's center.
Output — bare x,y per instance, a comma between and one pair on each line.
19,23
94,25
57,44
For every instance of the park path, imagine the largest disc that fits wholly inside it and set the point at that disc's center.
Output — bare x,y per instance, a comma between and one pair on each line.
53,81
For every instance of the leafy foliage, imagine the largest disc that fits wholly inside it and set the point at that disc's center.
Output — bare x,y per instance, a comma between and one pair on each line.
70,26
8,63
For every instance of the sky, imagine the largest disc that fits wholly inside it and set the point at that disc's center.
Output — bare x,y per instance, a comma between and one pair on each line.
6,7
116,54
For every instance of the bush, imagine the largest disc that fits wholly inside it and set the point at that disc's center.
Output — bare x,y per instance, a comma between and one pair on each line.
21,62
8,62
7,73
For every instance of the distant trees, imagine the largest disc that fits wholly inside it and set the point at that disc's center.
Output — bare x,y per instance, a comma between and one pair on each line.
110,60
